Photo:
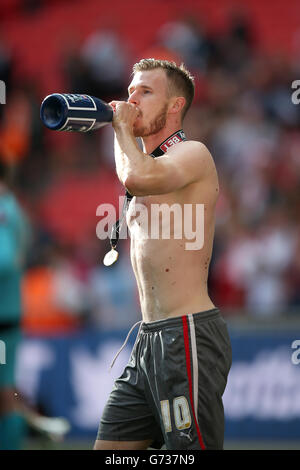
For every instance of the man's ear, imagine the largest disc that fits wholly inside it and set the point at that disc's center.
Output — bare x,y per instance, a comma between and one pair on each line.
177,104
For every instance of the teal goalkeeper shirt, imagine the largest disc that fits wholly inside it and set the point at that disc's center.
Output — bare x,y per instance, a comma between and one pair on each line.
13,241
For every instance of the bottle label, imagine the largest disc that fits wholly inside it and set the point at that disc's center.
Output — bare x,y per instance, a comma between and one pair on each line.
76,102
78,124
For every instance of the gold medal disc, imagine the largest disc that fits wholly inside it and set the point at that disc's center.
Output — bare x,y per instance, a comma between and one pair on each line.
110,257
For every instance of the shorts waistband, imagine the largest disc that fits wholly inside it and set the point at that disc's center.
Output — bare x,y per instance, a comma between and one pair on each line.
177,321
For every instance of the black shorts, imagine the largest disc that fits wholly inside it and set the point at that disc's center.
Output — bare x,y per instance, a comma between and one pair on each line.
171,390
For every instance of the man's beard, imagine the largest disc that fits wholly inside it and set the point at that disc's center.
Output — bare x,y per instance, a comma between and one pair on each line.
156,125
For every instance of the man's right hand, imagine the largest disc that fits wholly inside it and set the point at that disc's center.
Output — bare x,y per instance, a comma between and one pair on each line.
125,114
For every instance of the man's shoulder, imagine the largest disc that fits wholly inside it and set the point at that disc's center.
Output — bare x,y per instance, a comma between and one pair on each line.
197,146
193,151
194,146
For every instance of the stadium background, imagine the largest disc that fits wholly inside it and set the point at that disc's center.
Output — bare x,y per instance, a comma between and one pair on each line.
76,313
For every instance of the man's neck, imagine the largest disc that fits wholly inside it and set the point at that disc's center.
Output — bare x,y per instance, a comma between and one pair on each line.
152,141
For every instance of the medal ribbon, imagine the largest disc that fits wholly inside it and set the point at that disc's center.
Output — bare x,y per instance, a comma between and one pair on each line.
162,148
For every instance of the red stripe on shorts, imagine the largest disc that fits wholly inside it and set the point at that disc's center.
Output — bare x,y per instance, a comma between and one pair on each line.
189,373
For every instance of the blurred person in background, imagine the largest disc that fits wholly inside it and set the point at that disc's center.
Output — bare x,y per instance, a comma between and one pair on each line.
15,132
15,411
54,297
113,294
189,38
105,58
14,238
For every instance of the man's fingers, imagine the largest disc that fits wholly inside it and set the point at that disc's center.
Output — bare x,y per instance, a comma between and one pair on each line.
123,105
113,104
124,113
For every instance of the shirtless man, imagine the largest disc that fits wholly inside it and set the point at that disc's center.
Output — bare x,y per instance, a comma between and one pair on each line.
171,390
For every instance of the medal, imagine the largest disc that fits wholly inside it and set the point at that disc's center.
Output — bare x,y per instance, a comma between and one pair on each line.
110,257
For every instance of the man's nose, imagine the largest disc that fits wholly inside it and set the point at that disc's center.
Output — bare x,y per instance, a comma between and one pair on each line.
133,98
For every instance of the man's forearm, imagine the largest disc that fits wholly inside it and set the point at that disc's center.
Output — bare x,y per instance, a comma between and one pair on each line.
130,160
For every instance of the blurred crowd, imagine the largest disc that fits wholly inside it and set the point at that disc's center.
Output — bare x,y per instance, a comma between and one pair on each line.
244,114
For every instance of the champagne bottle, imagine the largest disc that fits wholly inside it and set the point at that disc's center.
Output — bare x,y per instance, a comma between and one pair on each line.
74,112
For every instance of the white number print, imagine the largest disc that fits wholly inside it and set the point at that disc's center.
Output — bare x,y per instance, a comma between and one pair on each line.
165,411
182,415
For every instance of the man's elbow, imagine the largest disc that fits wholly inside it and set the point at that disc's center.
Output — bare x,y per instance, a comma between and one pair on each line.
134,185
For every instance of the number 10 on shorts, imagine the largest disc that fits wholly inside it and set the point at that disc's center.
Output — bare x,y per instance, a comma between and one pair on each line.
182,415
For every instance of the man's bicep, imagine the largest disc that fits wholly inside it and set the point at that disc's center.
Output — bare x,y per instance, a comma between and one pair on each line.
172,171
184,165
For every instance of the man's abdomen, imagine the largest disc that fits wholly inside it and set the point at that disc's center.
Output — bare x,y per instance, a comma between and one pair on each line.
171,280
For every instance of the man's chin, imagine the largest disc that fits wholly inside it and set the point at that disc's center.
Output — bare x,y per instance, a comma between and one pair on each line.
138,132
